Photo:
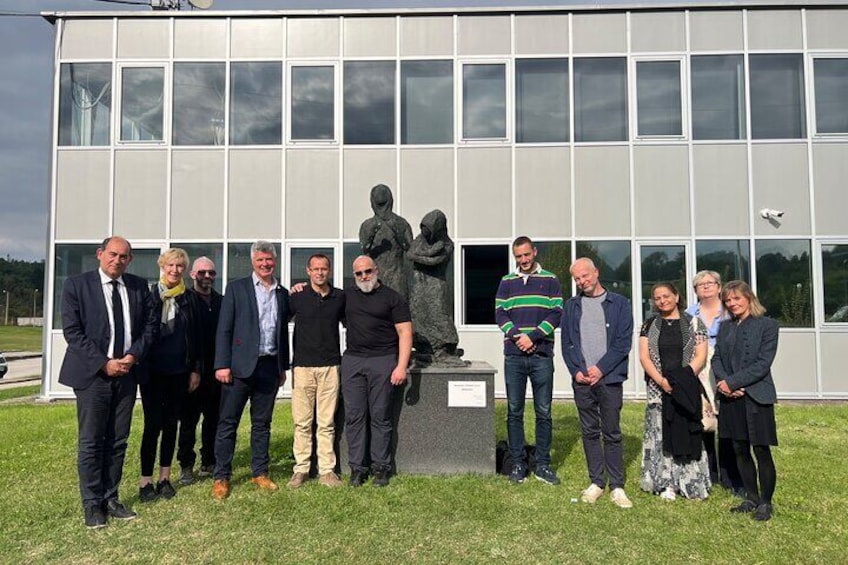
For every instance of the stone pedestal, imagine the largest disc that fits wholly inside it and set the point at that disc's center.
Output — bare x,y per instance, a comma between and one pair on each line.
435,434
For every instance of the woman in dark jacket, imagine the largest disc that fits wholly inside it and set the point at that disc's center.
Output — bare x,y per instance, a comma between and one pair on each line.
745,349
174,371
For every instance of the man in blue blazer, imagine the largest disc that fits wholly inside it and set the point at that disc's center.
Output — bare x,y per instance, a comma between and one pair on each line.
251,360
109,322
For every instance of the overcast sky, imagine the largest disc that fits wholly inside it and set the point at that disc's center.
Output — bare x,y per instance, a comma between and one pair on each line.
26,73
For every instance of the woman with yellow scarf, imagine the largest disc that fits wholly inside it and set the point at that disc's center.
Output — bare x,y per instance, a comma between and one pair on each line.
174,371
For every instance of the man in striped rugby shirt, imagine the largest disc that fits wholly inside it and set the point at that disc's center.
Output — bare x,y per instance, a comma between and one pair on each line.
528,307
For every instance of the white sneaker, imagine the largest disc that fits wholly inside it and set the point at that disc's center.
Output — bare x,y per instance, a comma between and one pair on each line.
592,494
620,498
668,494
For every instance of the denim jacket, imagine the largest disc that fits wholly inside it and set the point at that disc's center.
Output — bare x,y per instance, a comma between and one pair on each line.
619,320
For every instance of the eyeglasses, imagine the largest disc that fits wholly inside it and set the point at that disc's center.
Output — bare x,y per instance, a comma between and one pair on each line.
207,273
706,284
363,273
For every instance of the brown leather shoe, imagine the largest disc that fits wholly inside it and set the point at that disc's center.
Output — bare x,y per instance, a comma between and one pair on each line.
297,480
330,480
264,482
220,489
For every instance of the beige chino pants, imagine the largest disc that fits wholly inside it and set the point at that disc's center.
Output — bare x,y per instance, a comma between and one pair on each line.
315,394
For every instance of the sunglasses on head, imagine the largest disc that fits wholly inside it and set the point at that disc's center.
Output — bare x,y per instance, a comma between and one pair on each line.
363,272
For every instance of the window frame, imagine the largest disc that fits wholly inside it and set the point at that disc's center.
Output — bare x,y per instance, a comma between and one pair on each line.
812,91
167,101
284,274
633,95
287,101
459,105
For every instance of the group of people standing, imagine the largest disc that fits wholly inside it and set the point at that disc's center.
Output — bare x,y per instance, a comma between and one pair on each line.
714,358
196,353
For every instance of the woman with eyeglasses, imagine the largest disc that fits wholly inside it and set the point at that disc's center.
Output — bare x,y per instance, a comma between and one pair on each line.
174,371
745,349
710,310
673,350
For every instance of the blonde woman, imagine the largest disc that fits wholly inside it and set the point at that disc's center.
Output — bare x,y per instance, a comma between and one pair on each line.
174,371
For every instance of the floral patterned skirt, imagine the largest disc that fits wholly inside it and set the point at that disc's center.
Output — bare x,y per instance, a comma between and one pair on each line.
660,471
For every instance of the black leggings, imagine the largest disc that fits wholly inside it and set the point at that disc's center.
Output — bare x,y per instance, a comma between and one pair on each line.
160,398
764,468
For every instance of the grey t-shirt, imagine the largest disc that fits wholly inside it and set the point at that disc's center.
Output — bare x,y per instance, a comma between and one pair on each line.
593,329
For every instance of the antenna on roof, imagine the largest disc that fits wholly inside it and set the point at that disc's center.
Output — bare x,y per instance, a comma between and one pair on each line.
176,4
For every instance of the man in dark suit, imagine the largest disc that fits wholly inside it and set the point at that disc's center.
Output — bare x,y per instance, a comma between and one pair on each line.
109,322
251,360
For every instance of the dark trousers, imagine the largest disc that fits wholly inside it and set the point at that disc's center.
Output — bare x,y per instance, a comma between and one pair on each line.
540,372
161,398
367,393
261,389
599,409
205,401
104,415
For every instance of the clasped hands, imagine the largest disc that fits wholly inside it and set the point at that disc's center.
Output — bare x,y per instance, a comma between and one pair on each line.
119,367
725,390
590,377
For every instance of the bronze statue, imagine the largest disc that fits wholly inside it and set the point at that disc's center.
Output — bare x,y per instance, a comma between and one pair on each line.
386,237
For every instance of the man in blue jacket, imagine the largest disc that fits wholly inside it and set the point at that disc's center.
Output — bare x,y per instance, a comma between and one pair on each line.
597,333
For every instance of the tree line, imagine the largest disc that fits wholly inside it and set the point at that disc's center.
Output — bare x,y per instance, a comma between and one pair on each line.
22,284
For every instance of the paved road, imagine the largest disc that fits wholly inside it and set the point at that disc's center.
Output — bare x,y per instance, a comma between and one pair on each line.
20,368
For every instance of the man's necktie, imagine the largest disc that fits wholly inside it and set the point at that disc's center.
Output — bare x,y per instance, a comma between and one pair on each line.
118,314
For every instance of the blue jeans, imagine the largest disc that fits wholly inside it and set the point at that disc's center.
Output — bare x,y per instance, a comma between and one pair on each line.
540,371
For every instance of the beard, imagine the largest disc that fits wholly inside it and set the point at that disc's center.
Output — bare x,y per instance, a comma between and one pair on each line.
367,286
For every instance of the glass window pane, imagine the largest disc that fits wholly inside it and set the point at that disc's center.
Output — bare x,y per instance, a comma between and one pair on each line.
730,258
369,102
600,99
718,97
213,251
71,259
783,281
541,94
256,103
777,97
482,266
660,110
555,256
145,265
142,103
85,104
199,93
350,251
312,107
299,259
831,76
662,263
426,112
484,102
612,258
239,264
835,282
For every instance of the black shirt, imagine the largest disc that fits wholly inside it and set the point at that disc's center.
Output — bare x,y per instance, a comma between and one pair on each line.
371,320
316,327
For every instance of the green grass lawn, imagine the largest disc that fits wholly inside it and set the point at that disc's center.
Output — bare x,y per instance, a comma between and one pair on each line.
19,392
454,519
15,338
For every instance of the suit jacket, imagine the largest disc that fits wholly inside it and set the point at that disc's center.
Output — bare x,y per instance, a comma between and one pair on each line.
237,338
85,324
744,354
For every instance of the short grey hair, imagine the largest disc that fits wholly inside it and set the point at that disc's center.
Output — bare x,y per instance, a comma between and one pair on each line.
263,246
701,275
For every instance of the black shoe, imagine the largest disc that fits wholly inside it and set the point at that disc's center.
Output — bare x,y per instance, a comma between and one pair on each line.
115,509
147,493
763,512
94,518
381,478
545,474
186,476
517,474
165,490
358,478
745,507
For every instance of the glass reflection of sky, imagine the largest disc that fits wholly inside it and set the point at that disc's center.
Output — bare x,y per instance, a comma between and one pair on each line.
142,103
312,108
256,103
199,103
718,97
484,101
541,92
600,99
369,102
426,101
85,104
831,77
658,98
777,96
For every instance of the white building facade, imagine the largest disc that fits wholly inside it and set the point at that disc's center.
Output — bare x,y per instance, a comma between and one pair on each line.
650,139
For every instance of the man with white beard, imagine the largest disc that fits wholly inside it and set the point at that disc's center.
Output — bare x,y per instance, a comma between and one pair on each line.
379,345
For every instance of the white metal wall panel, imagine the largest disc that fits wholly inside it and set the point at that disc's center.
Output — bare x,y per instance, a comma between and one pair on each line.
543,191
661,190
82,194
197,194
781,182
602,192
